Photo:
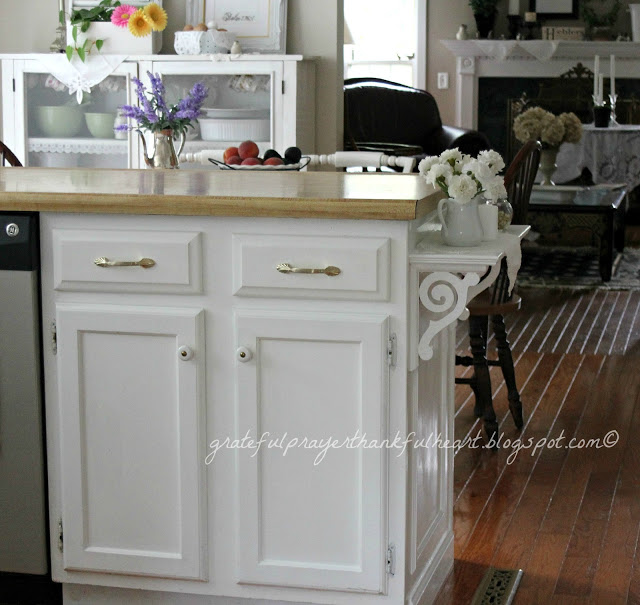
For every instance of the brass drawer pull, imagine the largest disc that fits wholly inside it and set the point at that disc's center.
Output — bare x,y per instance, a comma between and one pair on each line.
331,271
145,263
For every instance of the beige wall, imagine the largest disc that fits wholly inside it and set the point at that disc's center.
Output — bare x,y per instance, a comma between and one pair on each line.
314,29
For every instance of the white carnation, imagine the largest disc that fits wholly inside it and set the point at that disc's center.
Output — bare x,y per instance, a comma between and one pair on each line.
451,154
478,169
427,163
436,171
493,159
494,189
462,188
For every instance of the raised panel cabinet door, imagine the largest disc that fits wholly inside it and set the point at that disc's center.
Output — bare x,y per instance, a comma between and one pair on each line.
305,380
132,452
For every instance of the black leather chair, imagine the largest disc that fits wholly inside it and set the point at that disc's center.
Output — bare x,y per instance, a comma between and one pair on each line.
380,115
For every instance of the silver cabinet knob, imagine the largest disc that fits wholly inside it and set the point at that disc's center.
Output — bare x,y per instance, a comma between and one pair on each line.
12,230
185,353
243,354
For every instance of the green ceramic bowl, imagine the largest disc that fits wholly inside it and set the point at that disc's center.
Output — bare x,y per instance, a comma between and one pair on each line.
100,125
59,120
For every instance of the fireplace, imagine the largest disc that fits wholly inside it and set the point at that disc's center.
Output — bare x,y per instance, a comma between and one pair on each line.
489,72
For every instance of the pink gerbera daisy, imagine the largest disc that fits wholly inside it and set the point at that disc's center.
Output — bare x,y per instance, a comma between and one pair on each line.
120,16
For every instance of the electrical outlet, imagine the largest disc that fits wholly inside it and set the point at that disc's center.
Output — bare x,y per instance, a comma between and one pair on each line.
443,80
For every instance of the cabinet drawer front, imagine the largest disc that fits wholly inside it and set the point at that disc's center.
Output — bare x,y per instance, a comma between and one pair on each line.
363,263
177,261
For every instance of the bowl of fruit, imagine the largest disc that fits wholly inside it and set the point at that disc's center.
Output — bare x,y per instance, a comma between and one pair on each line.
246,157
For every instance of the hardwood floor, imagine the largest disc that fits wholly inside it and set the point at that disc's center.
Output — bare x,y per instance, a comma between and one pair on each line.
570,518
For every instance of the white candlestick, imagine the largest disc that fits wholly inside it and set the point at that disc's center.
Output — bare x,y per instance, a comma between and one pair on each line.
613,75
596,74
514,7
601,88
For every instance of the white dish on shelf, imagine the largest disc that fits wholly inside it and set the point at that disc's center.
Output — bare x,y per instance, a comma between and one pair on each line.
214,129
236,113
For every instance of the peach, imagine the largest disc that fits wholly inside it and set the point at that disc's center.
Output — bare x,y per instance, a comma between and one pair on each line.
273,161
248,149
251,162
234,159
228,152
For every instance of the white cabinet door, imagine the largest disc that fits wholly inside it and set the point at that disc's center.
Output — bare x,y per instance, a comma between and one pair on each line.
319,376
131,403
51,130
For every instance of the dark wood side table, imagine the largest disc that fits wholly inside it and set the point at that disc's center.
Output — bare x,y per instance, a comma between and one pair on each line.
600,210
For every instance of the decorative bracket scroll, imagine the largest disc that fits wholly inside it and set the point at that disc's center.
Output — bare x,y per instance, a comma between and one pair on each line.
443,292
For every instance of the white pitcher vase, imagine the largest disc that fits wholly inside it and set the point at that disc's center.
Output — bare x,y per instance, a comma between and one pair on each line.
460,222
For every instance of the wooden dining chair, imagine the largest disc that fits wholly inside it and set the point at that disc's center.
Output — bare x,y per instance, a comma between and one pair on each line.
7,156
496,302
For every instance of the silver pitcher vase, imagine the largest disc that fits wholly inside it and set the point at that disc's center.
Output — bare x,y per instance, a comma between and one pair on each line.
164,151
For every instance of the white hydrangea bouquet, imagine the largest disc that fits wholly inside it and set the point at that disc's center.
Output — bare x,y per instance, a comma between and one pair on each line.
462,177
551,130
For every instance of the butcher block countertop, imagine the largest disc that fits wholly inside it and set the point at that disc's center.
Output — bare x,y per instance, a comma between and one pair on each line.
334,195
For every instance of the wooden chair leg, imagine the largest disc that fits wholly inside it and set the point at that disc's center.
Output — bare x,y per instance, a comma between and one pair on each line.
478,327
508,371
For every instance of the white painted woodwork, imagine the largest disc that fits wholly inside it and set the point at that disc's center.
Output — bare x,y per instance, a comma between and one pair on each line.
177,256
364,264
319,376
131,443
270,529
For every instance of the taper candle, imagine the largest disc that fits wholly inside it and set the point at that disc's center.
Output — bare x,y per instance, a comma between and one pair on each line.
613,75
601,88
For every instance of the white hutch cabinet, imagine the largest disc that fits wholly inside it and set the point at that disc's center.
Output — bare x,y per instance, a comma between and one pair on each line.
45,126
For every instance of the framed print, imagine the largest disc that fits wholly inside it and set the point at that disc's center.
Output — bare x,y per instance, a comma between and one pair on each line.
261,25
555,9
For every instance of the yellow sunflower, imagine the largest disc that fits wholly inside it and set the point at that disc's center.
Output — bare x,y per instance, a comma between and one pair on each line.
155,16
138,25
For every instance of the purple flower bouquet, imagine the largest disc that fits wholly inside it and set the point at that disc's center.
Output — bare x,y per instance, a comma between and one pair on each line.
155,115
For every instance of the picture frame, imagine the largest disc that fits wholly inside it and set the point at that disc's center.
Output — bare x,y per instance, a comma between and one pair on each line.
555,9
261,25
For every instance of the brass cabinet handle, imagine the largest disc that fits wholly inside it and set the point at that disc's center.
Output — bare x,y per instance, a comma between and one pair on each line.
331,271
145,263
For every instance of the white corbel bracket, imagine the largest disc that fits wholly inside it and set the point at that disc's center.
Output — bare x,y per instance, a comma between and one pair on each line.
443,292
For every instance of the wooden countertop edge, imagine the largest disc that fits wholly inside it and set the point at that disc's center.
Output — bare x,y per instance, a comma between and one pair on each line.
365,209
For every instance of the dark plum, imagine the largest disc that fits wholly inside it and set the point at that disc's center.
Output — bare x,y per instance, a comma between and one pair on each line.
292,155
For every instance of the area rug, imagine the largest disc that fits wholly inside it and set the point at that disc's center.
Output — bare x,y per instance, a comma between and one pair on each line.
562,267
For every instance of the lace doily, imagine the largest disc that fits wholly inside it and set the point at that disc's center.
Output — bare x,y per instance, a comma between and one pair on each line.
77,76
90,146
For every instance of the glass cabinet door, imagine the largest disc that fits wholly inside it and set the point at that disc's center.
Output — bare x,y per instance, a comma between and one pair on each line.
58,132
241,105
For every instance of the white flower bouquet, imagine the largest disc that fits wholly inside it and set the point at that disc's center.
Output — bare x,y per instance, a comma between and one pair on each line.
462,177
551,130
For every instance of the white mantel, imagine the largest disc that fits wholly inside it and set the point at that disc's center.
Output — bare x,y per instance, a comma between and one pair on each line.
528,58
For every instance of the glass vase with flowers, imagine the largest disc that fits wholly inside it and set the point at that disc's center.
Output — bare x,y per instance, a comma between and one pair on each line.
552,131
466,181
165,122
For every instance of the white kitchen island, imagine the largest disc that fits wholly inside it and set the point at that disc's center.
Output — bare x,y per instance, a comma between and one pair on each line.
176,321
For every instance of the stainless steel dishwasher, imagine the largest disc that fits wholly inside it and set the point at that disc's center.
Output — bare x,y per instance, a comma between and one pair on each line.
23,533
